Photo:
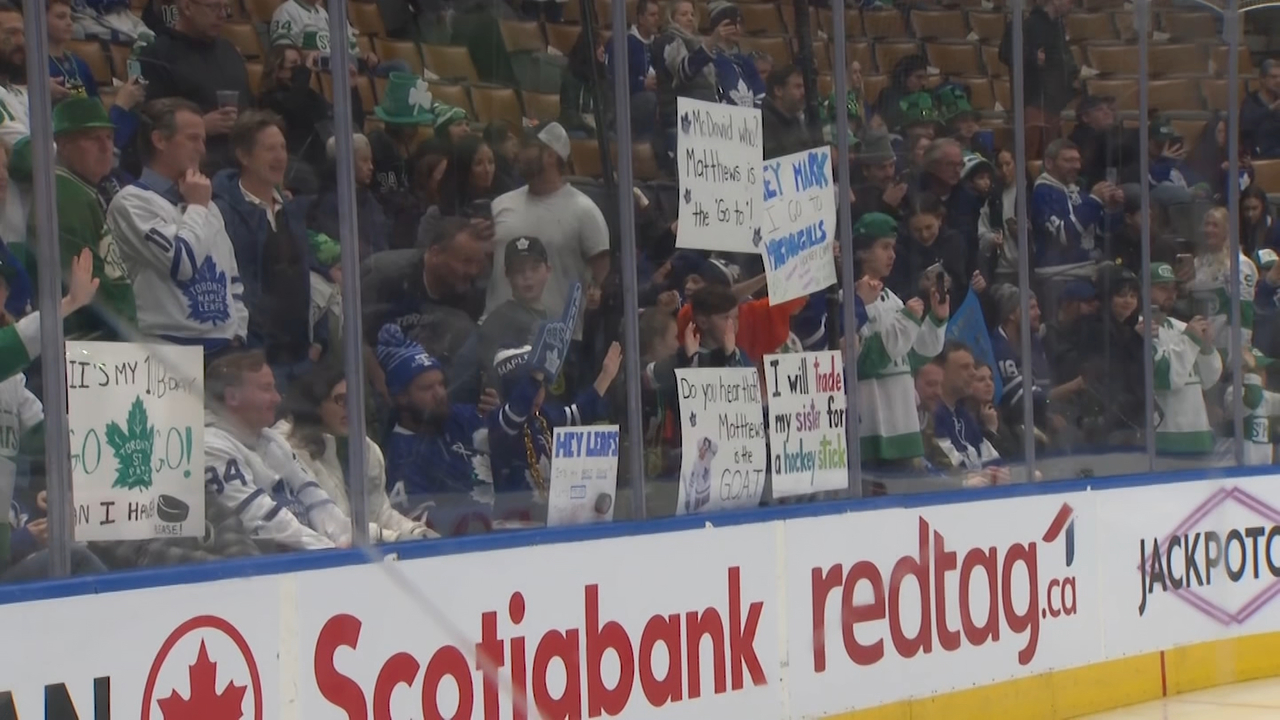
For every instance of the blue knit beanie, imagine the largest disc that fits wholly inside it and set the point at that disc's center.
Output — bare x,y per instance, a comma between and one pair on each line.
402,359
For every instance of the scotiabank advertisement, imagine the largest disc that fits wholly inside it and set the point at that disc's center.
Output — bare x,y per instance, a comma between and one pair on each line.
193,651
914,602
1192,562
677,625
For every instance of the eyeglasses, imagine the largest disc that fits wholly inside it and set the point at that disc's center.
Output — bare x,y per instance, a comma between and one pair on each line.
339,399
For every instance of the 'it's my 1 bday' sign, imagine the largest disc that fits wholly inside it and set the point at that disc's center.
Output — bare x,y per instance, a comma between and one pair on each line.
798,224
137,440
806,422
719,154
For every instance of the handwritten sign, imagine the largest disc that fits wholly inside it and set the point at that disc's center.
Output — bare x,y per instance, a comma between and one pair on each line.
807,422
724,454
137,440
798,223
720,150
584,475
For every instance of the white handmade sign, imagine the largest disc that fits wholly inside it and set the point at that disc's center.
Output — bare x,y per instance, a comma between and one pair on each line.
137,440
719,154
724,454
807,422
584,475
798,222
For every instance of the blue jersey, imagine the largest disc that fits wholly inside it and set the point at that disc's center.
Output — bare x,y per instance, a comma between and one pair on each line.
443,478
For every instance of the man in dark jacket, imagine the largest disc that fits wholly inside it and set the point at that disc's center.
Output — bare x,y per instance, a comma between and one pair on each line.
783,114
1050,70
1104,144
880,189
192,60
1260,114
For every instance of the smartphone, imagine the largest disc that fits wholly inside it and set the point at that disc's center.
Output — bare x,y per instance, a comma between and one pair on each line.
323,63
480,210
1157,316
1112,175
1182,259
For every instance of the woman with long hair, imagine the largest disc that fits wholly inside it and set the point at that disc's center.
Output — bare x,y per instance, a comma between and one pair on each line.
1210,282
1258,227
286,89
317,431
471,178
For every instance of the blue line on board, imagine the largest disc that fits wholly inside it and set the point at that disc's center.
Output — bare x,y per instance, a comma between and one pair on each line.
304,561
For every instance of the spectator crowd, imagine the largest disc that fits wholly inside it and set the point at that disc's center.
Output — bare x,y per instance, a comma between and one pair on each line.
201,209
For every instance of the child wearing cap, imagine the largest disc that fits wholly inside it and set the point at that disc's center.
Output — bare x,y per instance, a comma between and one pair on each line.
521,431
1260,406
512,322
895,334
1186,364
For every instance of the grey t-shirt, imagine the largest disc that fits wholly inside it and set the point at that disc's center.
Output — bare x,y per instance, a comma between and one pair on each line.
569,225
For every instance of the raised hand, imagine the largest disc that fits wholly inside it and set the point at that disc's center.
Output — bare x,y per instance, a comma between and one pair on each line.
81,284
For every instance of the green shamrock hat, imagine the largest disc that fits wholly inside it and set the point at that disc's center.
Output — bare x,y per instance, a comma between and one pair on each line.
918,108
954,102
406,101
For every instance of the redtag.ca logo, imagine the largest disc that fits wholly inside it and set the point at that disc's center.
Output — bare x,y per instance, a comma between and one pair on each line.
677,639
1016,600
205,670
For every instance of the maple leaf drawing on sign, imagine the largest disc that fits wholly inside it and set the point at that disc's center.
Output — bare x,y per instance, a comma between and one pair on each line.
132,446
204,701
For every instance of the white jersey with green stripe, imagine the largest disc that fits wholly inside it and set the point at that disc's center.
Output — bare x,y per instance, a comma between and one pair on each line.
1211,296
305,26
1184,367
1260,405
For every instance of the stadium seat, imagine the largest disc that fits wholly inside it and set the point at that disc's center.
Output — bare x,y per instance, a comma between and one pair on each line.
861,51
245,37
826,84
366,18
1113,58
991,59
364,44
496,104
981,95
822,56
562,37
260,11
852,24
789,19
1124,90
1215,93
1183,25
1267,174
761,20
988,26
883,24
888,53
405,50
644,164
1175,95
1190,131
543,107
1221,55
955,58
777,47
1004,95
938,24
452,94
362,84
521,36
91,52
451,62
873,85
584,155
1177,59
1091,27
120,60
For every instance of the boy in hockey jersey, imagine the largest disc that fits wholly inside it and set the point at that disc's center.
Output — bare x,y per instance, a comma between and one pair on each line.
894,335
437,454
520,432
171,235
252,468
1186,363
1260,406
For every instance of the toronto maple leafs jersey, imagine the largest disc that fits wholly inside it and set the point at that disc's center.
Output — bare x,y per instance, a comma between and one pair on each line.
261,479
1066,223
15,120
182,264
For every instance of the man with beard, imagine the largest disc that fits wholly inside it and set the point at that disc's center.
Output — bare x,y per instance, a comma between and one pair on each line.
15,120
1186,365
437,454
571,227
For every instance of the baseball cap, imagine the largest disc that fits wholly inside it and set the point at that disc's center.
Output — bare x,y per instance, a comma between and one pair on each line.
1162,273
522,247
1078,291
555,137
1260,360
1265,258
1163,131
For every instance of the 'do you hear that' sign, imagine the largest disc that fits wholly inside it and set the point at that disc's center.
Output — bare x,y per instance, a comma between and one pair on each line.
137,440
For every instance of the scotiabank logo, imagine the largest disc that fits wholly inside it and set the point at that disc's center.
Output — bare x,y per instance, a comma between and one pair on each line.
205,670
1016,602
472,690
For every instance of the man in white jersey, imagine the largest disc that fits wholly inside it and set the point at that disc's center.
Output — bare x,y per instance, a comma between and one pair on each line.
182,263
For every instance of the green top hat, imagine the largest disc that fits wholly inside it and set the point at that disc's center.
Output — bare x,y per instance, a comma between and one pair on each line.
918,108
80,113
406,101
1162,273
954,103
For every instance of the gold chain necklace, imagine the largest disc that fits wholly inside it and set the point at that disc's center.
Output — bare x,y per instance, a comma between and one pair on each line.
532,456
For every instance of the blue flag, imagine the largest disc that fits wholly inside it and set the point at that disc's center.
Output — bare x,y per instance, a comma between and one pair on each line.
969,327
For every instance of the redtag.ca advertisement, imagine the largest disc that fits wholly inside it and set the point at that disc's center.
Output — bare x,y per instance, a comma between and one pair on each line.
206,650
1194,561
678,625
902,603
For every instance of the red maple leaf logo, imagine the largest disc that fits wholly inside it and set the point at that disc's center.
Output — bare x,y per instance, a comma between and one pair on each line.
205,703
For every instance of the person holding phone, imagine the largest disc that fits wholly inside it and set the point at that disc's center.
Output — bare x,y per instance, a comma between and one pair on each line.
1211,286
1186,365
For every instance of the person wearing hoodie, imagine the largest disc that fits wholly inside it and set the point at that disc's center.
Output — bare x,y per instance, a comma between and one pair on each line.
782,115
927,242
273,258
317,429
1260,114
642,73
1050,71
997,221
1067,226
713,69
1105,145
252,469
437,453
192,60
895,335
